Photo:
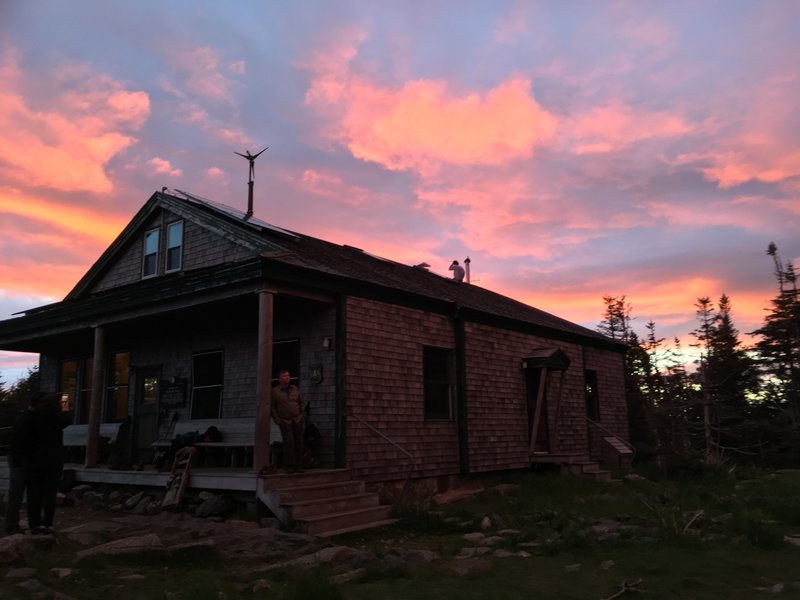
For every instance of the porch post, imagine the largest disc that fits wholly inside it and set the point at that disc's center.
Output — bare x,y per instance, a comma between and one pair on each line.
96,399
261,441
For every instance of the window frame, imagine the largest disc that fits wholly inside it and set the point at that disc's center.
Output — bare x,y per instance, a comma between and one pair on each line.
170,247
203,389
118,388
155,231
436,380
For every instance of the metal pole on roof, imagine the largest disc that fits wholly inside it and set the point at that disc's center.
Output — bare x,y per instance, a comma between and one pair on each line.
252,159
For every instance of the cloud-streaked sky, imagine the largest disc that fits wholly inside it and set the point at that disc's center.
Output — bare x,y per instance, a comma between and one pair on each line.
570,149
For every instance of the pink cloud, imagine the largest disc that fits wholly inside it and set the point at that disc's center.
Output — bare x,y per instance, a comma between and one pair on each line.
425,123
66,143
202,73
617,126
162,166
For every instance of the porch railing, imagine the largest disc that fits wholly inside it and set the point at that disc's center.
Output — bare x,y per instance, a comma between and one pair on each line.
615,435
398,501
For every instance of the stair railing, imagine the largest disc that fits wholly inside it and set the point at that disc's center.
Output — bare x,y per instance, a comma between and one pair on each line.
614,435
399,499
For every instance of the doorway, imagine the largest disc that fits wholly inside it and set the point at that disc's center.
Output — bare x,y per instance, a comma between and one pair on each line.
536,396
146,413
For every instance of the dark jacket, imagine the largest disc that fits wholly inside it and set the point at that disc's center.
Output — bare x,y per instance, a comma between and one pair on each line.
38,439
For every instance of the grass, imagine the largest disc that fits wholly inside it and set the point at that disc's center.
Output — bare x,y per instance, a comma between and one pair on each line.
708,535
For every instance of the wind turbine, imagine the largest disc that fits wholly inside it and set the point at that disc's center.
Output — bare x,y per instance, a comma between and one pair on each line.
252,159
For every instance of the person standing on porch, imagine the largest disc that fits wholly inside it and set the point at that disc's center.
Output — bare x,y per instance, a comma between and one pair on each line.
289,413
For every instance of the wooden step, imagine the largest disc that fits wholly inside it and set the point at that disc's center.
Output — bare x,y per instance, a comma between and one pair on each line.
351,520
300,493
336,504
618,445
310,477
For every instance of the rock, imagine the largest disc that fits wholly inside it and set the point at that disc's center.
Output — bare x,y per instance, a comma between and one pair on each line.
79,490
134,500
466,566
473,537
416,557
21,573
33,586
129,545
347,576
607,564
509,532
792,538
500,553
262,584
572,568
215,506
493,540
61,572
505,488
12,546
486,523
498,521
142,506
270,523
455,495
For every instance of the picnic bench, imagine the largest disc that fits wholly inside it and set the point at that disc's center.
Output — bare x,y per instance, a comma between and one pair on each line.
234,449
75,437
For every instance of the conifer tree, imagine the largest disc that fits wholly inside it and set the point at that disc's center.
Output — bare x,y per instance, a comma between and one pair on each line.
779,344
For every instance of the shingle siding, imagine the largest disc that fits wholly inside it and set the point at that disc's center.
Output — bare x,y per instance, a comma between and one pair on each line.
201,248
384,388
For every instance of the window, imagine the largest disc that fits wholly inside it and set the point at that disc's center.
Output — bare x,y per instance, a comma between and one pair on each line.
207,374
117,391
437,382
68,382
150,263
592,396
174,246
87,376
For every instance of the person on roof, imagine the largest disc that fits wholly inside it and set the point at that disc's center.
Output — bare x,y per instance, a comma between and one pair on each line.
458,271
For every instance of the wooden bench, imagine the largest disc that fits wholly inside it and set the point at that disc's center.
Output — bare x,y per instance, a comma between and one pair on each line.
75,437
236,444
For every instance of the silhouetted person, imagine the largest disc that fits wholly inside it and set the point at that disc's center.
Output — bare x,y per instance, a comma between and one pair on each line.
43,458
17,471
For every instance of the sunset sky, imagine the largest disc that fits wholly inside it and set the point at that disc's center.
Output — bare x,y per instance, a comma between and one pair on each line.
571,149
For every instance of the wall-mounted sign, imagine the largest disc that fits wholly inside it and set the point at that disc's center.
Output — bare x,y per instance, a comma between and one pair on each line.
315,374
173,394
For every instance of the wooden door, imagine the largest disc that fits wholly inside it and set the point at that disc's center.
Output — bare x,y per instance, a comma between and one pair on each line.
146,413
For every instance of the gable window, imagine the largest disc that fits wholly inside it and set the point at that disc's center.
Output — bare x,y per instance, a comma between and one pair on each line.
437,374
592,395
207,374
150,262
174,246
117,391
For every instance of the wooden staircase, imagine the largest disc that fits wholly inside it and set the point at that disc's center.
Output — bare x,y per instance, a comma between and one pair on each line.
323,502
574,464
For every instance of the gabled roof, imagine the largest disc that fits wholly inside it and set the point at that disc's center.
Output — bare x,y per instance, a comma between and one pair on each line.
353,265
295,258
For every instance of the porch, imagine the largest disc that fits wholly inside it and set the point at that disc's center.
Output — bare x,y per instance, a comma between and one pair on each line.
322,502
